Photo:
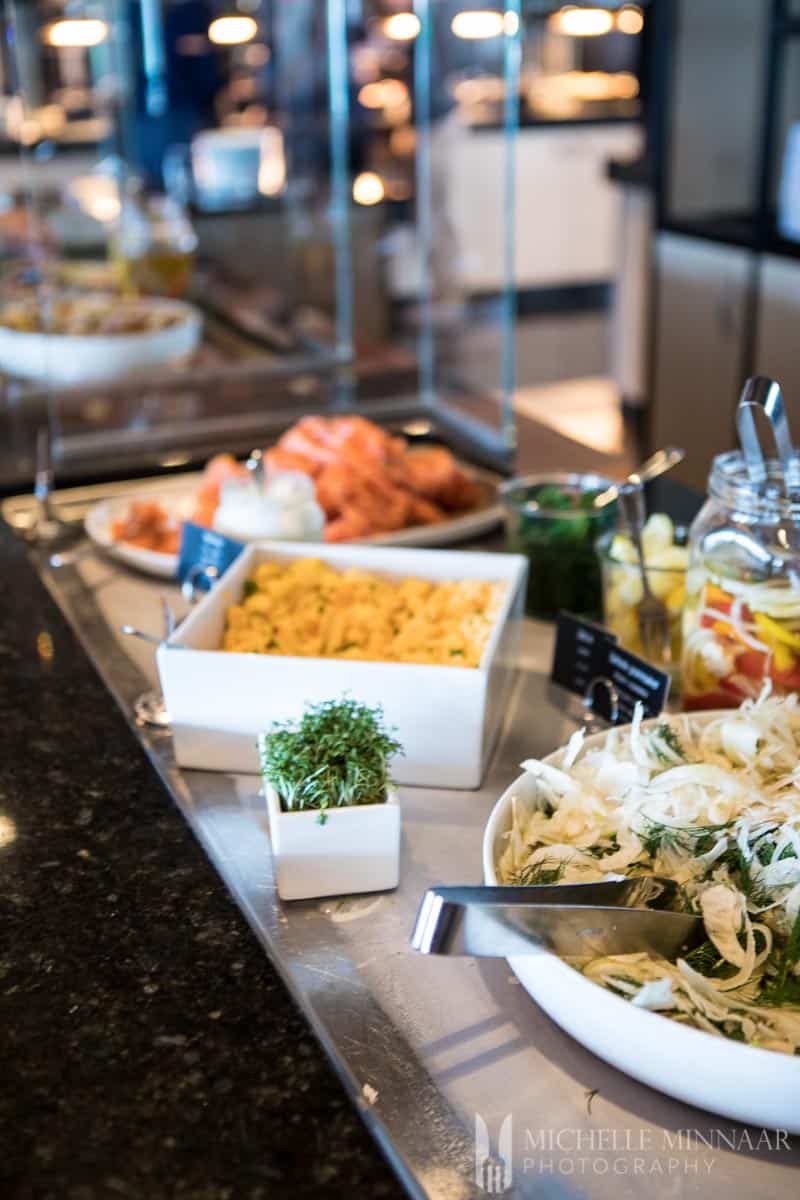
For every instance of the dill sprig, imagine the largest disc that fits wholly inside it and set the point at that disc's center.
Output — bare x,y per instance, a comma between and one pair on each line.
549,870
335,756
666,734
784,987
690,839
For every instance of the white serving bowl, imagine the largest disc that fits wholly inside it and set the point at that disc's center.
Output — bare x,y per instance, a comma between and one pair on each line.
446,718
71,360
723,1076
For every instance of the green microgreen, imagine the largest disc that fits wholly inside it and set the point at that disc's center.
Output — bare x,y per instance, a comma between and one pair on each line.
335,756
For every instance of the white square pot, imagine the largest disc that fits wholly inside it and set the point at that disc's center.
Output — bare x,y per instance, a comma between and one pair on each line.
356,850
447,719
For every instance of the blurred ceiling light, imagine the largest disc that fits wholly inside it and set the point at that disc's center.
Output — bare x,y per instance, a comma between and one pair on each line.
630,19
384,93
76,31
232,31
401,27
473,25
581,22
368,188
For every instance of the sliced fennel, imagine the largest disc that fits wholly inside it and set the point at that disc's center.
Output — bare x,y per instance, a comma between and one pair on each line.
714,805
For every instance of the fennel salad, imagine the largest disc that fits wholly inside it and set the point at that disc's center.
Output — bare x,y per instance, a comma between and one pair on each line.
713,804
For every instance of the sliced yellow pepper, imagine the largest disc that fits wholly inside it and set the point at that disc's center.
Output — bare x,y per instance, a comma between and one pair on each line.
715,595
725,629
773,633
783,658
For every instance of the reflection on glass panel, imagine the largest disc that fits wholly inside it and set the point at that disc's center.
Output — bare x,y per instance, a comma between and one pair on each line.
260,209
786,178
717,111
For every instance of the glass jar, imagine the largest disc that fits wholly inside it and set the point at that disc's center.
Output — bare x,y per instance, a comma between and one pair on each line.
556,521
741,623
623,591
153,246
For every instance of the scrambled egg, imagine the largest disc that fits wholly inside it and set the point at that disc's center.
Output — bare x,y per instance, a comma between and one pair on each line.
306,608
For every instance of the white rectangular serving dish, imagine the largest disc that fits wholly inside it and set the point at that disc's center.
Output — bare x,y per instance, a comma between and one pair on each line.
355,850
446,718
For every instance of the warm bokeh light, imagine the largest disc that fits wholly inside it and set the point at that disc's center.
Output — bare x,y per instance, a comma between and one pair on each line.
272,163
477,24
581,22
630,19
98,196
401,27
44,648
257,55
232,31
368,188
77,31
403,141
8,830
384,93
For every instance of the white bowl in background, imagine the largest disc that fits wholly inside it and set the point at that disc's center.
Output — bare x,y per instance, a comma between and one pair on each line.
71,360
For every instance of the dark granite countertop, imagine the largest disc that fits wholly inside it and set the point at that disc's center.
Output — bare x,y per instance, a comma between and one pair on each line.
149,1048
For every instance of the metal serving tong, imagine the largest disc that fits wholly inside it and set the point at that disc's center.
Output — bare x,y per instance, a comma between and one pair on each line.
761,393
570,919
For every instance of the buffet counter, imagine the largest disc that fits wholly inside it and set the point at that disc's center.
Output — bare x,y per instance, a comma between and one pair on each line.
140,1006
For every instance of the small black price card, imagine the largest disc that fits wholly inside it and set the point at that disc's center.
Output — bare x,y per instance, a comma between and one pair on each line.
581,653
588,656
635,679
204,555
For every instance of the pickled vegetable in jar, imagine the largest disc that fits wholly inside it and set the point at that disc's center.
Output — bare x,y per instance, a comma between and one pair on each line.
666,556
741,624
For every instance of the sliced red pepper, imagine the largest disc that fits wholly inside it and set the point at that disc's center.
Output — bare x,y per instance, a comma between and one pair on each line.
788,680
752,663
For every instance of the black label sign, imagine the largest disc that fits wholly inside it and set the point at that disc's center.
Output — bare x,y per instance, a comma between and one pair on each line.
204,556
588,659
635,679
581,652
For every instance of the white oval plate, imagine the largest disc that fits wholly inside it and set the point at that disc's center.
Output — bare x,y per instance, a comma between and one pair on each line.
177,497
761,1087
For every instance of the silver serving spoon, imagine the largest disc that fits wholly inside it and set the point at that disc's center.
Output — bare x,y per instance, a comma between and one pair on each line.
657,464
257,468
132,631
574,920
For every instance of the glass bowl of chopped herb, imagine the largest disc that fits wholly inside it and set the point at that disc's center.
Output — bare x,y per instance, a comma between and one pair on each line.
556,521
